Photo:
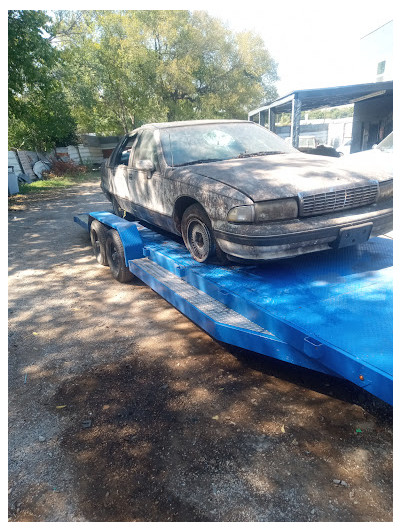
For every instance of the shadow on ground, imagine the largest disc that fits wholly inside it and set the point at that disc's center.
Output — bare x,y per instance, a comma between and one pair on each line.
146,418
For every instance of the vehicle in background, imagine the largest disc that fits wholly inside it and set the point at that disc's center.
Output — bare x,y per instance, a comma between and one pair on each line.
311,145
344,149
386,145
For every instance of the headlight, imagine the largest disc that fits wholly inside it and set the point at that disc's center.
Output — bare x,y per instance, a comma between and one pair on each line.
283,209
386,189
264,211
243,214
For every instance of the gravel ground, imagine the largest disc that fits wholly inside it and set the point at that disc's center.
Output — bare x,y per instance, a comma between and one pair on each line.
121,409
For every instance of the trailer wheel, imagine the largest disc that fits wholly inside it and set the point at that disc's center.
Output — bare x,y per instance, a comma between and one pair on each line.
116,257
198,235
98,237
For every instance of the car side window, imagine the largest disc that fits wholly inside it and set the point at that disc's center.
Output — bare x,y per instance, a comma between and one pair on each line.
146,148
122,157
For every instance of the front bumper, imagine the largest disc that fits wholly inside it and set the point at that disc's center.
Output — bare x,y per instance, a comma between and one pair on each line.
296,237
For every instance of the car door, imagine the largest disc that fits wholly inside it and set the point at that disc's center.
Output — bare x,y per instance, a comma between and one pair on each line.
148,189
118,169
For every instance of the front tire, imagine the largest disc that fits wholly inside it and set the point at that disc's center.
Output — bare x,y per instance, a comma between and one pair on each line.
198,235
116,258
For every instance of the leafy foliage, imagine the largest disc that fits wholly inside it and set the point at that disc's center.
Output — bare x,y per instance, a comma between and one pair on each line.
39,115
130,67
334,112
30,55
108,72
46,121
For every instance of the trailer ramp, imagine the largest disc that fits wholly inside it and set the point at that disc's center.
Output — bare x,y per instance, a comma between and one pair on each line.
333,307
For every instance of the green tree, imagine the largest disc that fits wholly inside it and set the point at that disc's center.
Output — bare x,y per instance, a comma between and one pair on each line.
203,69
124,68
46,122
30,56
110,71
333,112
38,113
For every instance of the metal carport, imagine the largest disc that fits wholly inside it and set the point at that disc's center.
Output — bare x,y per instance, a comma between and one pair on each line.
305,100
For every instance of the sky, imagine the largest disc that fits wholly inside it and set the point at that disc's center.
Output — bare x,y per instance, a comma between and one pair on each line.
315,44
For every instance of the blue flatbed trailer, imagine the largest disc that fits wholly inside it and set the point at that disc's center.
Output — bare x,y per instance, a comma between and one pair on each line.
330,311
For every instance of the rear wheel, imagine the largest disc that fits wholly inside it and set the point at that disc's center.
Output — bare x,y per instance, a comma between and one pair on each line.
98,237
116,257
198,235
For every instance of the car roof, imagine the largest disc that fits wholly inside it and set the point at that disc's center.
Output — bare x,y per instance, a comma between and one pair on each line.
166,125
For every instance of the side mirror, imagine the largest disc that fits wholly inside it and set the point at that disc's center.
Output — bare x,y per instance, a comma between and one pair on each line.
144,165
124,158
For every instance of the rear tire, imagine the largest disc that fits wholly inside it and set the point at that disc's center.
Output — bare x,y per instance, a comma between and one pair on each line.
98,237
198,235
116,258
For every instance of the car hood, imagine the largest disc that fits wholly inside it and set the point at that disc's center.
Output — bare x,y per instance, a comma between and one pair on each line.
375,160
286,175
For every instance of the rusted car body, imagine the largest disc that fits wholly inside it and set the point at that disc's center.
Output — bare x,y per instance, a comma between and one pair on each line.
233,189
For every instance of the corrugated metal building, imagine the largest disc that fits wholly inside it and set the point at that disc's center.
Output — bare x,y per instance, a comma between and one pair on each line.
372,117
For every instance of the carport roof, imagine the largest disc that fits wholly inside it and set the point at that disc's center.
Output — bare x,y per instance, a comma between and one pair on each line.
327,97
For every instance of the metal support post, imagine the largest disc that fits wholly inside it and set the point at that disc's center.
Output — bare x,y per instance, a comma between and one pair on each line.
271,120
295,125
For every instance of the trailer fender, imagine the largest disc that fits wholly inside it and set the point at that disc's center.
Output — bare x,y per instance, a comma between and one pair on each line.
128,233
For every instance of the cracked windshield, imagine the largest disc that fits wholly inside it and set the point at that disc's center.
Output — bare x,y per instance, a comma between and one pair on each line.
207,143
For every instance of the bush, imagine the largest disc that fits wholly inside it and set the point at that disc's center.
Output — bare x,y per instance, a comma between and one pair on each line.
62,168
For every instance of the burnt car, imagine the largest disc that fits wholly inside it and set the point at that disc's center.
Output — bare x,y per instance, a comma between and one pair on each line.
234,190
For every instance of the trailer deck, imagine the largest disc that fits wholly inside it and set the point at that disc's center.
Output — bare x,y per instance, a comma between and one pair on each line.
329,311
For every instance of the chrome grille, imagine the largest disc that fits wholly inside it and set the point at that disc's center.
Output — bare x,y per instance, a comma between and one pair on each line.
337,200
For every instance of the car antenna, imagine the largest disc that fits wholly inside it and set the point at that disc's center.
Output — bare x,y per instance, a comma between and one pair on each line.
170,147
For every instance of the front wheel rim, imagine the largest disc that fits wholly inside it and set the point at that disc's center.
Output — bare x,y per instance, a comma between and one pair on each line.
199,240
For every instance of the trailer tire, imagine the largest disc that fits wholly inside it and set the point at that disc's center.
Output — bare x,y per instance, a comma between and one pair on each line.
98,237
116,257
198,235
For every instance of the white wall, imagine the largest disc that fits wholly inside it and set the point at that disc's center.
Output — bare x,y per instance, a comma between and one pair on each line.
375,47
13,161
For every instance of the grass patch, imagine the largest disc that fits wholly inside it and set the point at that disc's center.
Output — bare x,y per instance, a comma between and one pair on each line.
56,182
43,187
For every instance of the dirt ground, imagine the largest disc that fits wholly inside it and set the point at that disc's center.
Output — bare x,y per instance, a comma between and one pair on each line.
121,409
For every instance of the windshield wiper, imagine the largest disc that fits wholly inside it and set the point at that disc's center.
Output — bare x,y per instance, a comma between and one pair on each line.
240,156
257,154
199,161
